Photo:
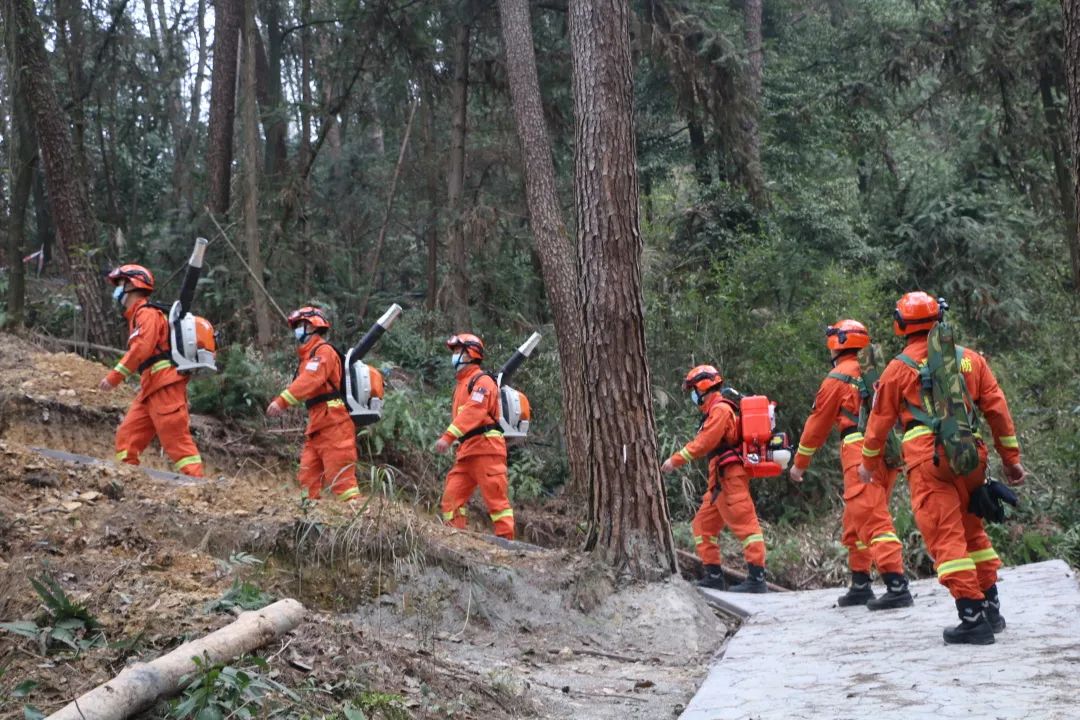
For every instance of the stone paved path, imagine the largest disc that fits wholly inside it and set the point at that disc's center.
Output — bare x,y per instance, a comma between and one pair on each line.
800,656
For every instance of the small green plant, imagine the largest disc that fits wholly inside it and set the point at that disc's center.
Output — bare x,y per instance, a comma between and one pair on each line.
242,595
219,691
63,624
371,705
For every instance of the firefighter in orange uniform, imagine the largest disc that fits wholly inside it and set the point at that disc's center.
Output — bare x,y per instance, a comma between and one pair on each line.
868,532
965,561
161,407
727,500
481,454
329,454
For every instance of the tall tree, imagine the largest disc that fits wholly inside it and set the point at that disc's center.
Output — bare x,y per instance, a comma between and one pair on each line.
250,120
558,256
629,523
455,182
1071,14
68,192
23,156
227,21
755,72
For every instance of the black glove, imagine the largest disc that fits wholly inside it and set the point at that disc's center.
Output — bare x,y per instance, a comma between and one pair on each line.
987,501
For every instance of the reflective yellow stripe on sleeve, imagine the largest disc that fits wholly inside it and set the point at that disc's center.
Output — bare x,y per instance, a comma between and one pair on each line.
980,556
749,539
289,398
860,545
123,370
1008,441
916,432
453,430
806,450
953,566
685,455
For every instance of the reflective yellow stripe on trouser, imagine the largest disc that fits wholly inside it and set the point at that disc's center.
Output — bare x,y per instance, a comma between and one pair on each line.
185,461
953,566
884,537
705,539
497,516
860,545
756,537
121,456
981,556
349,494
449,514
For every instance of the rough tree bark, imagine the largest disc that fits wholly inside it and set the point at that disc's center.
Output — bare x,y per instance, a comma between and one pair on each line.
68,192
227,20
23,157
431,186
250,120
1071,16
629,526
271,99
558,256
455,183
755,57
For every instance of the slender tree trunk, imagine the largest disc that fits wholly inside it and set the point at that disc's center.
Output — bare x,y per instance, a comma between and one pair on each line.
68,192
699,151
1056,137
455,184
431,183
305,140
46,234
755,56
556,251
23,157
227,18
629,525
250,120
185,154
271,99
70,40
1071,12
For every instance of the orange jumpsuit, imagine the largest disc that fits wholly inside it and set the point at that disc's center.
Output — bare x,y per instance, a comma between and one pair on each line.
869,534
481,457
329,454
727,500
161,407
965,561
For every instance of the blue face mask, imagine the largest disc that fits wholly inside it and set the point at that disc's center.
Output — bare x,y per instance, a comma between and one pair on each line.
695,397
457,360
118,294
300,334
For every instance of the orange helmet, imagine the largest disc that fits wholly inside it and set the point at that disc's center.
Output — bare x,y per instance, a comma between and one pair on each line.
313,315
139,277
703,378
472,345
916,312
847,335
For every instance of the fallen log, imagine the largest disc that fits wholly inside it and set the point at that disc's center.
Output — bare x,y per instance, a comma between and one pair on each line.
141,685
690,564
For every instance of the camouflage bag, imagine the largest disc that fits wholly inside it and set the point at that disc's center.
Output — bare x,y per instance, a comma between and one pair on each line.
947,408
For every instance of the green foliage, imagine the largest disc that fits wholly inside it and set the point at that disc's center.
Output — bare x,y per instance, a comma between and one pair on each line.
218,691
242,595
63,624
242,387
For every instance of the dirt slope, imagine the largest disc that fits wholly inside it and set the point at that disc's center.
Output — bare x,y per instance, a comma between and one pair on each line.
446,623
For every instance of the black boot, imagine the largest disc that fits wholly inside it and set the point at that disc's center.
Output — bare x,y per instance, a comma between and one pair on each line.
754,582
974,628
859,592
713,578
896,594
993,609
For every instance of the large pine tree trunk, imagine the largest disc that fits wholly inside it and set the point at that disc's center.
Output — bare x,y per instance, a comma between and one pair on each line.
68,192
23,154
1071,12
227,20
629,525
250,119
455,184
558,256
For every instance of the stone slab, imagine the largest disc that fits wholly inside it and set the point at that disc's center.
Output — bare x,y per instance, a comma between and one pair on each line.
798,655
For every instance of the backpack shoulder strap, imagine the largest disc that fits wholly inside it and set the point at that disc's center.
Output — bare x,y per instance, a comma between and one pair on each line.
909,361
476,379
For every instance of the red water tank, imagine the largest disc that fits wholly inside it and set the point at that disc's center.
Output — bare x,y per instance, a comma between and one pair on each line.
756,414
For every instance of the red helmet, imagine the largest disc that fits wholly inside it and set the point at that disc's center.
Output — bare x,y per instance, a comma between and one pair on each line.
139,277
702,378
313,315
916,312
472,345
847,335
